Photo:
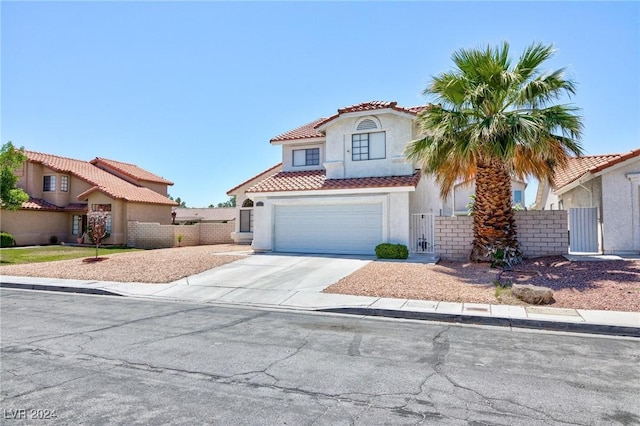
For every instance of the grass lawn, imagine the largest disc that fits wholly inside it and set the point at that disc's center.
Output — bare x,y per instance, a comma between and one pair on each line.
15,256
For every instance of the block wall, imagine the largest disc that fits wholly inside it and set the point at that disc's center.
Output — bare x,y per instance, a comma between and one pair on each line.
540,233
153,235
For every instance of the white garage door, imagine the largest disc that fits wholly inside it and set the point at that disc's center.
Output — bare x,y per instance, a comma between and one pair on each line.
337,228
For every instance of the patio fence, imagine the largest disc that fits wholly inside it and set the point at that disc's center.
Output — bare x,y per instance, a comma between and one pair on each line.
540,233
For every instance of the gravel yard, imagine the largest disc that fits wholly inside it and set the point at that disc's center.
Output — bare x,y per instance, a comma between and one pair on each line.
610,285
149,266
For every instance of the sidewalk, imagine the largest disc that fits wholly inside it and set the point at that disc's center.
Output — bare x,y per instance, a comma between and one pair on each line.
201,291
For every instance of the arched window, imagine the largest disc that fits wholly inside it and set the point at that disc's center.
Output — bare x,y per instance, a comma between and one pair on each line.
247,203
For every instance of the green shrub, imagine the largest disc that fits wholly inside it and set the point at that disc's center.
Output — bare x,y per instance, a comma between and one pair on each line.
392,251
6,240
53,239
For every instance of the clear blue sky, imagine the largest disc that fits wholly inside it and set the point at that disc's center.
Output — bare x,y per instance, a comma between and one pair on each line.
193,91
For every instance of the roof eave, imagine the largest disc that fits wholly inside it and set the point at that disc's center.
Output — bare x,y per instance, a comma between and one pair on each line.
324,192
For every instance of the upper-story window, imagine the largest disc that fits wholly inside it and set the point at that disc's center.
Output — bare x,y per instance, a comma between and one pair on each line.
306,157
64,183
368,146
49,184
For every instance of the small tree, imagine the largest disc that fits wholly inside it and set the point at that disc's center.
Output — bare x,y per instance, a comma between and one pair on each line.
231,202
97,227
11,158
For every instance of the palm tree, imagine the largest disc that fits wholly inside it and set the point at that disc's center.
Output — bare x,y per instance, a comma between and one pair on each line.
493,122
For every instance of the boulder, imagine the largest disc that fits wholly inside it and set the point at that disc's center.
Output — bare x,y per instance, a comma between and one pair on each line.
533,294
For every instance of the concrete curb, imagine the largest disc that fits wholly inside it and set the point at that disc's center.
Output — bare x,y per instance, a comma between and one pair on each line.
64,289
573,327
611,330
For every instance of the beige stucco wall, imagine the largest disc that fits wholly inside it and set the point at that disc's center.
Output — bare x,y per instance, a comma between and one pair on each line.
160,188
118,219
30,227
31,181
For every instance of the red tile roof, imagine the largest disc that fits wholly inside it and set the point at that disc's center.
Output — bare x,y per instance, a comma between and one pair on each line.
309,130
102,180
579,166
271,170
39,204
316,180
373,106
130,170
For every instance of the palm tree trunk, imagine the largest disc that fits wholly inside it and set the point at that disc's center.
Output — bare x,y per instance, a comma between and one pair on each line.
494,226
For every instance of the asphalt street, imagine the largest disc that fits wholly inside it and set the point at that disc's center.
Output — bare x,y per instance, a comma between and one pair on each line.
85,359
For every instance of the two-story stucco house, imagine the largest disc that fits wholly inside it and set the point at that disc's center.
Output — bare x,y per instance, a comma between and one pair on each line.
344,186
63,190
602,195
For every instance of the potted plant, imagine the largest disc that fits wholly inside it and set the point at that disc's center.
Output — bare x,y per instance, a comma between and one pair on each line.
81,238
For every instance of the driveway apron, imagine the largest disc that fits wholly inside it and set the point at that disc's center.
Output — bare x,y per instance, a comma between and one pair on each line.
266,278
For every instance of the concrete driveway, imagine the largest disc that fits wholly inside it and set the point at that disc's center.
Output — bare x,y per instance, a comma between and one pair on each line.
267,279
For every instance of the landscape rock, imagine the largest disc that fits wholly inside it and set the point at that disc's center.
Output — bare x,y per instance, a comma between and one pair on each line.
533,294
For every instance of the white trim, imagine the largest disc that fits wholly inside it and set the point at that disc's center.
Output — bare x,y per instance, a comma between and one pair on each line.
327,192
366,113
589,175
299,141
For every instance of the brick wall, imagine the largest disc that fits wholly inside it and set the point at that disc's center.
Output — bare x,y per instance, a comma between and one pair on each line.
153,235
540,233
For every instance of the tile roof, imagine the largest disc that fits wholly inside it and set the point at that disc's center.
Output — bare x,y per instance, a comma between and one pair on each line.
306,131
580,166
200,214
272,170
316,180
130,170
40,204
373,106
309,130
101,180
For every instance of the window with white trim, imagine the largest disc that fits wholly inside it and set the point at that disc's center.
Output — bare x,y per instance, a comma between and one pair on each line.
64,183
306,157
49,183
368,146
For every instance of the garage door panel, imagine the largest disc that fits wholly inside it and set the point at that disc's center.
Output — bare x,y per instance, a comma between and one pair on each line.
339,228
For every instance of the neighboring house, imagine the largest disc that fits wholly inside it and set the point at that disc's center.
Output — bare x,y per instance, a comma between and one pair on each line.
63,190
344,186
602,195
458,203
190,216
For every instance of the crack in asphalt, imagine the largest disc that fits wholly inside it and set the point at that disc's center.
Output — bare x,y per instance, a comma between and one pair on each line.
110,327
200,331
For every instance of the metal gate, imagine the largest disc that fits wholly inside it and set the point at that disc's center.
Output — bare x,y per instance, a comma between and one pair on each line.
583,230
423,234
